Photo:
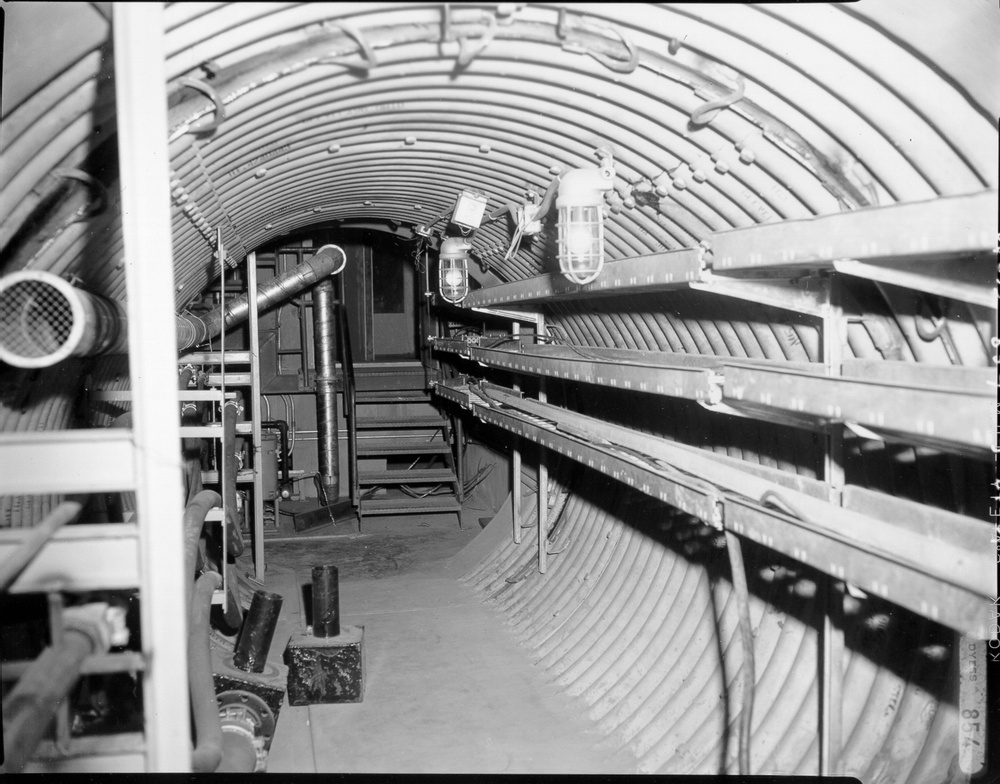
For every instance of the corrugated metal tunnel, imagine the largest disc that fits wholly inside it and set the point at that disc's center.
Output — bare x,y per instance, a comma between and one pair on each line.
791,345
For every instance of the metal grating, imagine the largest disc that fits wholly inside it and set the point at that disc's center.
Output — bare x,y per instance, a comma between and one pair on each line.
36,319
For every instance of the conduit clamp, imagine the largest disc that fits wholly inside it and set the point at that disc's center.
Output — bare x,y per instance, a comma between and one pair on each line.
98,193
467,50
208,91
616,64
369,61
708,111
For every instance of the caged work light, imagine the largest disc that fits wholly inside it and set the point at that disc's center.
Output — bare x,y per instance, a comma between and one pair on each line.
453,269
581,222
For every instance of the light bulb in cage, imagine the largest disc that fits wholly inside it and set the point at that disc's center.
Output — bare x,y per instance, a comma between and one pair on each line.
453,269
581,222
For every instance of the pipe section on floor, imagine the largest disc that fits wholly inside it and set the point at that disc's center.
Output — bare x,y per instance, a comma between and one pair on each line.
325,337
258,631
325,601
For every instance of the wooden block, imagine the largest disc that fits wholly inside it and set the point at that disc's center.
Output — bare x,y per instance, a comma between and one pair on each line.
324,670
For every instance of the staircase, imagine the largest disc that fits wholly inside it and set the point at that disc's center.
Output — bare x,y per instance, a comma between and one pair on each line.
405,463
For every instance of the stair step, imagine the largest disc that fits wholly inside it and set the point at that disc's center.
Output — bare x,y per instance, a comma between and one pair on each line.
393,396
369,423
389,506
404,476
402,448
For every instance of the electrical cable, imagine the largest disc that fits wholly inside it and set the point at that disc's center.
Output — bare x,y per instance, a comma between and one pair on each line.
739,574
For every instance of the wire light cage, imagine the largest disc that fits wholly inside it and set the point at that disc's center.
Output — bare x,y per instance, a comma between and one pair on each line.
581,221
453,269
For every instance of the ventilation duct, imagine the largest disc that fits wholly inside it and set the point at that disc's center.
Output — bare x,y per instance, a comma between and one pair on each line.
44,319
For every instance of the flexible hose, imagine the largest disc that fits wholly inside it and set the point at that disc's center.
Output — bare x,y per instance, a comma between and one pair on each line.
194,521
19,560
207,752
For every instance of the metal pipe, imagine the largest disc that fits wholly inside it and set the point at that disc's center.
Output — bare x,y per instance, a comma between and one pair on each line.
258,630
325,601
325,337
230,413
207,753
44,319
194,330
18,561
32,704
350,405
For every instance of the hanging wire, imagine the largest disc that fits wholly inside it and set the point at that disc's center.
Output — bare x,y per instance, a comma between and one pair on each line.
738,569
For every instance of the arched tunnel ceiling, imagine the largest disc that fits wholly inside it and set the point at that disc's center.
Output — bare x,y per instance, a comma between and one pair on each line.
384,112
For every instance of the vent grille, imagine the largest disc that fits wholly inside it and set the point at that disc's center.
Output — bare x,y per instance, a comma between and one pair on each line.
37,320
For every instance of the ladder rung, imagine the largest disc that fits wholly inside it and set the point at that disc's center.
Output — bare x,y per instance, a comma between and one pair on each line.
393,422
389,506
213,431
212,477
214,358
182,394
81,557
397,448
234,379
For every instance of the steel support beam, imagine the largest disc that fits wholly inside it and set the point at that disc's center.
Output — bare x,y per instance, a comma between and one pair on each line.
949,417
653,272
943,581
951,225
948,408
901,244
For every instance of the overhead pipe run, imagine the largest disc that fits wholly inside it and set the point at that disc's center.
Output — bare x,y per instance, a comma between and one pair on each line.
44,319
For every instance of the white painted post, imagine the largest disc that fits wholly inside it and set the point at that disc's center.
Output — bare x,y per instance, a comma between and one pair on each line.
140,77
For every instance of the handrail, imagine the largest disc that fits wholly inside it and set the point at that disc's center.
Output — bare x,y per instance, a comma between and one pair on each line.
347,364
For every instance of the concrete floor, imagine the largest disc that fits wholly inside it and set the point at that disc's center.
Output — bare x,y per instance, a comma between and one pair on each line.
447,689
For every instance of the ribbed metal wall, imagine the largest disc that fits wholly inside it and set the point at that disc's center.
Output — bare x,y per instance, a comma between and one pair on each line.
389,116
636,620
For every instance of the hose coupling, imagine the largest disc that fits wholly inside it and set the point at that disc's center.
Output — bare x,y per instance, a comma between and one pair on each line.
102,623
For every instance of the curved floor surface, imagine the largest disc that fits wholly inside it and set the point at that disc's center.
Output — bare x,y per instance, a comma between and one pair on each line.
448,690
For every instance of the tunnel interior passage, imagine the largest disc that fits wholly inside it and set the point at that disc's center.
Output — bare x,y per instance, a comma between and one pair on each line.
691,308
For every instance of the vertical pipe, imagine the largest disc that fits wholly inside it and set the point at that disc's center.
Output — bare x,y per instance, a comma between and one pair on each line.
325,336
515,463
543,475
325,601
257,523
460,457
140,97
258,631
234,536
350,406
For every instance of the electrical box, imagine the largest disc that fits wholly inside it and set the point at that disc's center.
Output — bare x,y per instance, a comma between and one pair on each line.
469,209
269,464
